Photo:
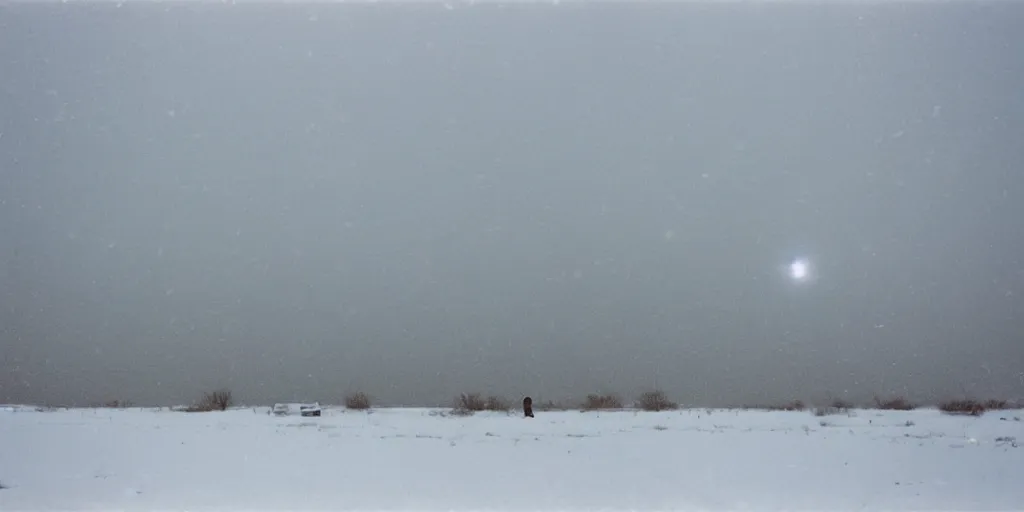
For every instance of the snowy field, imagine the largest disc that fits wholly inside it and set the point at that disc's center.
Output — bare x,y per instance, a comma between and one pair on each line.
417,459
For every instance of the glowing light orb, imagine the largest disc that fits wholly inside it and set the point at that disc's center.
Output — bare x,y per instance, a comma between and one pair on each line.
800,270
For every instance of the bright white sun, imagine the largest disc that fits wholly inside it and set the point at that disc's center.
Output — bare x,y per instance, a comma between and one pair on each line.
799,270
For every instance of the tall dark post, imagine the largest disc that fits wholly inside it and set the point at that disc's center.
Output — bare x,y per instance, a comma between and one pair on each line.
528,407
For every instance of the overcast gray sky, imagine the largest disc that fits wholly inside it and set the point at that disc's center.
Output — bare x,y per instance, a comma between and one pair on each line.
301,201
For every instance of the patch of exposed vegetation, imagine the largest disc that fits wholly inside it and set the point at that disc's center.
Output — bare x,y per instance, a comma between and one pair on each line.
218,400
117,404
969,407
596,402
655,401
549,405
358,401
897,403
468,403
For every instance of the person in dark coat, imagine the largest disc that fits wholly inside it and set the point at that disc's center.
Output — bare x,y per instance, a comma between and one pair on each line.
528,407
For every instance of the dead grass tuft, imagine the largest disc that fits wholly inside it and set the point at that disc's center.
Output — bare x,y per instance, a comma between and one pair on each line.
970,407
495,403
549,405
472,402
655,401
897,403
998,405
963,407
218,400
841,404
358,401
595,402
118,404
468,403
796,405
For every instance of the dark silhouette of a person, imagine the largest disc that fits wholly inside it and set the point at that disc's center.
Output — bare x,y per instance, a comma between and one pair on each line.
528,407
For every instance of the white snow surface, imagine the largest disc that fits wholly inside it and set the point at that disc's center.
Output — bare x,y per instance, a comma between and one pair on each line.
418,459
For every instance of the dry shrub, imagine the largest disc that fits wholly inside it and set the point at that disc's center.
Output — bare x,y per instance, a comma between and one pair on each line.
468,403
655,401
963,407
358,401
597,402
998,405
897,403
972,407
495,403
549,405
842,405
218,400
795,405
118,404
471,402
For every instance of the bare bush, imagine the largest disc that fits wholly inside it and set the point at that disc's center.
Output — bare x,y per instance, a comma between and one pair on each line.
842,405
495,403
655,401
963,407
595,402
970,407
549,405
468,403
358,401
218,400
795,405
998,405
118,404
471,402
897,403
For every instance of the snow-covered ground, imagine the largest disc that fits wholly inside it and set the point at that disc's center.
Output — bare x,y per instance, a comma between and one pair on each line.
416,459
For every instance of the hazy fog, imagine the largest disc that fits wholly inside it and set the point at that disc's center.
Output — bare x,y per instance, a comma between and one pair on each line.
300,201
